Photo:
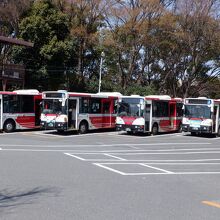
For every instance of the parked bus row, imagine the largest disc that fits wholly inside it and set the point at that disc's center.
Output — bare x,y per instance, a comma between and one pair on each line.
63,111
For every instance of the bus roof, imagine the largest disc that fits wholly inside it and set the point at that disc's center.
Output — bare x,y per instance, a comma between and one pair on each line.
132,96
117,94
27,91
21,92
162,97
158,97
205,98
79,94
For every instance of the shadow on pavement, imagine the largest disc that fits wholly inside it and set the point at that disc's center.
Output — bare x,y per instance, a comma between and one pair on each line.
14,198
69,133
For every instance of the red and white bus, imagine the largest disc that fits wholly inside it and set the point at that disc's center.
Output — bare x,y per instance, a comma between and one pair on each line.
149,114
20,110
201,115
62,110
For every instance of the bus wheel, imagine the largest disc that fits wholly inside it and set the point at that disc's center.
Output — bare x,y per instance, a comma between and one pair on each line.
9,126
218,133
180,128
83,127
155,129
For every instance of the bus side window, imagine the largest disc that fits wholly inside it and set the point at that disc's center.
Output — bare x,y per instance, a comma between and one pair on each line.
179,109
11,104
26,103
160,109
106,107
115,107
95,105
84,105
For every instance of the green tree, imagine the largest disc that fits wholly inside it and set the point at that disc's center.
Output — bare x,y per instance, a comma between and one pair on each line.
47,62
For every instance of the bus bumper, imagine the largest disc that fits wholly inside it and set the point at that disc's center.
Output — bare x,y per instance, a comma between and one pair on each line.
201,129
47,125
61,126
132,128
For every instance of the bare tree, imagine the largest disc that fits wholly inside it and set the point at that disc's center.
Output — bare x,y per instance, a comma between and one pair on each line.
11,12
131,25
194,47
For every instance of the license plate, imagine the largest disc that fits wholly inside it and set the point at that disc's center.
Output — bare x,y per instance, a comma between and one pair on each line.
50,124
195,128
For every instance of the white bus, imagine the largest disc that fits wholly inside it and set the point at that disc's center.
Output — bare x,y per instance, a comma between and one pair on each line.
62,110
149,114
20,110
201,115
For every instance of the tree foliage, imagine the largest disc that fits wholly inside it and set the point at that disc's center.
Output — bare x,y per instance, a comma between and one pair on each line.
151,46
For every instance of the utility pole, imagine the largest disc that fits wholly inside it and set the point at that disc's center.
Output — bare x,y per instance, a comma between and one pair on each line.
100,71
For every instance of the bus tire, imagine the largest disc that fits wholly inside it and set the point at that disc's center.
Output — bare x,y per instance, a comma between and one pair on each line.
180,128
83,127
154,129
9,126
218,133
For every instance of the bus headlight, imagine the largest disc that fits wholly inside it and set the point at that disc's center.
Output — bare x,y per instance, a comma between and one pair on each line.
65,119
207,122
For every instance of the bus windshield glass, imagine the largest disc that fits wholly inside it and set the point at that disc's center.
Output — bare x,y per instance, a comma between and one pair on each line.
197,111
130,107
53,106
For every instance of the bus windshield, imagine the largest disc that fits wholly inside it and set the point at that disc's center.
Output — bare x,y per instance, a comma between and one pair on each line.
53,106
130,107
197,111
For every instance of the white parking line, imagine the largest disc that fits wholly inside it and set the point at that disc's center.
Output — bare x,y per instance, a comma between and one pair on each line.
164,172
92,160
195,163
119,158
71,155
104,145
164,150
143,137
177,173
170,153
156,168
108,168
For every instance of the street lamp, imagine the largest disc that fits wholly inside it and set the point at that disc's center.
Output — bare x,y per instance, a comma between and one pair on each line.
100,71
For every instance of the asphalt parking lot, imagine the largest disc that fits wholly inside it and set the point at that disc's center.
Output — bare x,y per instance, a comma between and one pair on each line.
108,175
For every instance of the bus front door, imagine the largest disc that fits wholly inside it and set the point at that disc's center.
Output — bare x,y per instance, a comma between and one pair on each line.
172,116
215,118
147,117
72,114
37,109
106,113
1,112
